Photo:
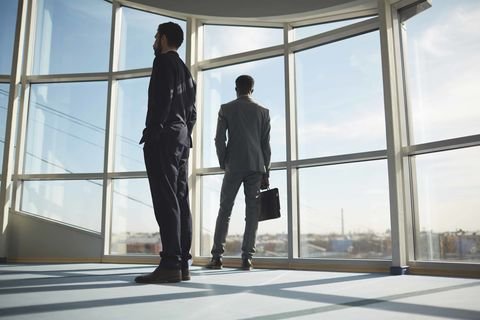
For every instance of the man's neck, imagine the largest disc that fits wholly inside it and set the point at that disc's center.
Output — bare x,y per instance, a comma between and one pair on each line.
168,50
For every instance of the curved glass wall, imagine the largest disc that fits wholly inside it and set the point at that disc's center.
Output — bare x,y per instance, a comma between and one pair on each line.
324,94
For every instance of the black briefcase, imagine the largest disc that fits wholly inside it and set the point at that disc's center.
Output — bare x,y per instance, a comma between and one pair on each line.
268,204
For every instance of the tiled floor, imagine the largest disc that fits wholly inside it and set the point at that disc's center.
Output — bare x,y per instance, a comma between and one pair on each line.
107,291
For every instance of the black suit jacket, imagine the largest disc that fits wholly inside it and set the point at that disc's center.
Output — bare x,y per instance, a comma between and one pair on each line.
171,100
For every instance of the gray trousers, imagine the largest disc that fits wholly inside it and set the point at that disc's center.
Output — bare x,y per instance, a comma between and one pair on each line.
230,185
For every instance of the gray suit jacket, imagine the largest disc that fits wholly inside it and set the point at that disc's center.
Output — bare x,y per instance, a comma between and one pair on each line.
248,145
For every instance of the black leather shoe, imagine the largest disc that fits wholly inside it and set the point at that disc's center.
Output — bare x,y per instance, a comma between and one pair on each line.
246,264
160,275
215,263
186,274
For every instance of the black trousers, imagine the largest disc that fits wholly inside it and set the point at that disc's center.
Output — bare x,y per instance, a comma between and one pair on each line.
166,162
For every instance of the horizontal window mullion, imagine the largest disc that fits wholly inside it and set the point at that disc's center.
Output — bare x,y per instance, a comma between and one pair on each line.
58,176
443,145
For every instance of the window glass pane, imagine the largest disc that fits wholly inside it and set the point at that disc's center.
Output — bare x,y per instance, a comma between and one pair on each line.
4,90
340,98
225,40
78,203
448,202
219,88
134,228
130,121
308,31
72,36
272,239
8,17
138,29
444,69
344,211
66,128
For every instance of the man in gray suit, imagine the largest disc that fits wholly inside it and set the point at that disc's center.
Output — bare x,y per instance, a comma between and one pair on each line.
245,157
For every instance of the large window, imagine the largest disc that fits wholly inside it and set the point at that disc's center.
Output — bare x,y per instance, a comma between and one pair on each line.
444,71
78,203
77,167
219,88
312,30
8,17
66,122
443,77
72,36
134,229
448,202
138,29
340,98
3,116
344,211
225,40
130,116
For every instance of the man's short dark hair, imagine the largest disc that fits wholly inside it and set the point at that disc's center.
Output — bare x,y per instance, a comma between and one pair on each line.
244,84
173,32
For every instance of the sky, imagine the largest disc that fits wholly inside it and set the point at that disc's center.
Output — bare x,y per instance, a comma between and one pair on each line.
340,110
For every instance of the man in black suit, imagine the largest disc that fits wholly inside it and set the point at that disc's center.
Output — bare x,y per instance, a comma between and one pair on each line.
170,119
244,153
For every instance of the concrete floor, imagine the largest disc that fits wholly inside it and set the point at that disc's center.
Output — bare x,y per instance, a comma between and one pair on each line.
107,291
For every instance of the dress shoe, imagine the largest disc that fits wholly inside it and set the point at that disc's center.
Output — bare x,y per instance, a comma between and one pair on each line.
246,264
186,274
160,275
215,263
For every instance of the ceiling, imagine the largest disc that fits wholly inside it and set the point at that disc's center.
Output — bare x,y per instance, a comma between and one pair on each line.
268,10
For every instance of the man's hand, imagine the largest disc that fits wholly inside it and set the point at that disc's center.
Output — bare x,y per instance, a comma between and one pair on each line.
264,184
